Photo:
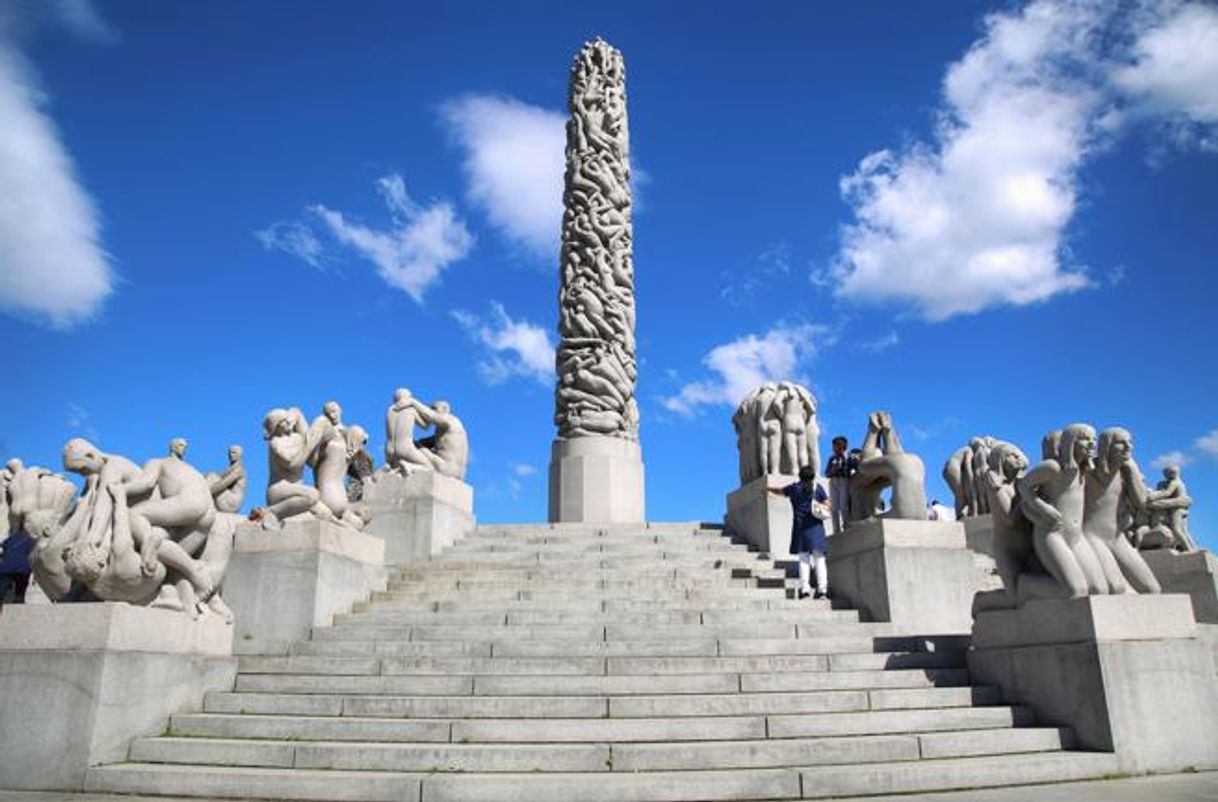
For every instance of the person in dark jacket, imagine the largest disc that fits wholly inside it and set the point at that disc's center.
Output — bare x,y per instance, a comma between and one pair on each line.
15,567
841,467
809,506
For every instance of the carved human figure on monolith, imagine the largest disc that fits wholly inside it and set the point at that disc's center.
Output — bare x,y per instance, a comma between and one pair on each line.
1052,496
228,486
883,464
1114,494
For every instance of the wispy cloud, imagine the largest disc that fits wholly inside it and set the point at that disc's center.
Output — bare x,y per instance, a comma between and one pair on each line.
509,347
742,285
1208,444
746,362
411,254
513,165
1176,458
53,265
79,421
880,344
977,217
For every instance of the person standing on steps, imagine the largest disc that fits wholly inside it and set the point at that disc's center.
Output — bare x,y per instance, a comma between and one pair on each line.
809,507
841,467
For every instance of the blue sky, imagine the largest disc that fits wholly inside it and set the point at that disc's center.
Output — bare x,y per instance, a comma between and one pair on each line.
987,218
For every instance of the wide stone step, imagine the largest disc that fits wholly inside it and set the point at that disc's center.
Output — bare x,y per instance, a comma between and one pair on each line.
812,612
604,786
580,757
595,730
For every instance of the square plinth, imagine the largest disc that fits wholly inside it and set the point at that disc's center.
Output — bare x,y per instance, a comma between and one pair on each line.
417,515
596,480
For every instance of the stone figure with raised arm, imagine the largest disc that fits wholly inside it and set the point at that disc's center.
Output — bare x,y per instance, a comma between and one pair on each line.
401,419
228,487
331,470
1052,496
1167,512
884,463
291,444
1114,493
451,454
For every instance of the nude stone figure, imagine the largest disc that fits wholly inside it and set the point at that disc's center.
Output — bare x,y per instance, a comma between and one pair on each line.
331,470
799,431
884,463
290,446
1167,512
451,455
359,462
401,419
1114,492
40,504
228,487
1052,497
957,473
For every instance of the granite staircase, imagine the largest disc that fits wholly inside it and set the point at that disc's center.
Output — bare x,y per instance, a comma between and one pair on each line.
648,663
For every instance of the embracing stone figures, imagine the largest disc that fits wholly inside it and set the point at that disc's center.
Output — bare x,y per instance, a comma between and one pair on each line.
147,535
1060,527
776,431
445,452
596,471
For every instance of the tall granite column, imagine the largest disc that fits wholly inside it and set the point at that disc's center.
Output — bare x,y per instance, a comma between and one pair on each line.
596,465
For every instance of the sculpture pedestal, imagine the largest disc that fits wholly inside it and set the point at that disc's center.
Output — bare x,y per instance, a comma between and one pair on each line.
79,681
596,480
1194,573
914,573
758,517
1128,674
979,536
281,584
418,515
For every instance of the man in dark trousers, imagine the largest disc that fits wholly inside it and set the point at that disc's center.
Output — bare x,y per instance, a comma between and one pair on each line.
841,467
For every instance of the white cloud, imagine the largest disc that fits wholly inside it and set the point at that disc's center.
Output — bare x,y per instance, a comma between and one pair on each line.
880,344
522,469
52,263
1208,444
1175,69
511,347
410,255
513,165
1177,458
746,362
295,238
82,19
978,217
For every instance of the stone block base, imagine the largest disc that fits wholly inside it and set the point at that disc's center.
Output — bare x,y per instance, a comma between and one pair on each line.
79,681
418,515
1194,573
280,584
596,480
760,518
914,573
1128,674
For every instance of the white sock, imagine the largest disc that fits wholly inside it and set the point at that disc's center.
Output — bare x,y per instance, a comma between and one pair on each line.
822,572
805,572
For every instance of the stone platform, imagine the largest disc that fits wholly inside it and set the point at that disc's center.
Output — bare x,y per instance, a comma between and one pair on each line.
281,584
915,573
1126,673
418,515
79,681
1194,573
760,518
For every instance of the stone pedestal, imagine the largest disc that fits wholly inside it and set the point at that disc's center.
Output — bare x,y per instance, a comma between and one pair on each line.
1127,673
760,518
596,480
281,584
979,537
418,515
79,681
914,573
1194,573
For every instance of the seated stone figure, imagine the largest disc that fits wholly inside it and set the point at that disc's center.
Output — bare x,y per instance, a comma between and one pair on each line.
291,444
402,454
445,452
884,464
1052,497
1114,492
451,451
40,504
332,463
228,487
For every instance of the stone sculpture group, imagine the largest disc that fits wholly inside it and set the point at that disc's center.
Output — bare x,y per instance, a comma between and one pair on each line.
1071,525
777,431
161,534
